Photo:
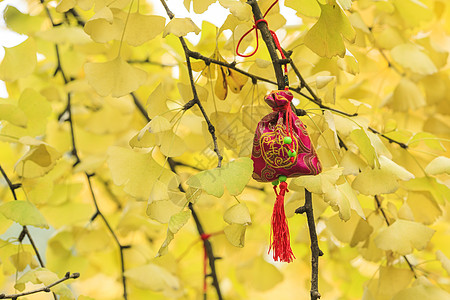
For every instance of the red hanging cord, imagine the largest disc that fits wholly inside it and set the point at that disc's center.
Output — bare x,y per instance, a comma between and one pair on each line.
255,27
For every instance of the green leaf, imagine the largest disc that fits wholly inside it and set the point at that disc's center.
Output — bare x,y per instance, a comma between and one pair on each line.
403,236
325,37
24,213
237,214
233,175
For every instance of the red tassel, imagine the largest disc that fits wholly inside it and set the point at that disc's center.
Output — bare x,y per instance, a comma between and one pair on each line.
279,238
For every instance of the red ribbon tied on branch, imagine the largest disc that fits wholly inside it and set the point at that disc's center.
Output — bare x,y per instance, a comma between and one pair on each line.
255,27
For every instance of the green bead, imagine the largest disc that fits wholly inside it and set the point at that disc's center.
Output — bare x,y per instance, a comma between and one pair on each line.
282,178
287,140
292,153
275,182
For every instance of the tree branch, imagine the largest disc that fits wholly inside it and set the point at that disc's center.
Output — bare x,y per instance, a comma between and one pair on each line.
43,289
315,250
307,208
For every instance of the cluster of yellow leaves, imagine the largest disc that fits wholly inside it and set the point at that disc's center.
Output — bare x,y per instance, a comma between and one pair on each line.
376,204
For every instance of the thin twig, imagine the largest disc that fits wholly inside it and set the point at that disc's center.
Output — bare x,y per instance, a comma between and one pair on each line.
378,202
403,145
196,99
42,289
140,107
98,213
149,62
77,17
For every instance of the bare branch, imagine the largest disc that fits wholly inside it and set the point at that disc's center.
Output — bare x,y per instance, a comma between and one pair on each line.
42,289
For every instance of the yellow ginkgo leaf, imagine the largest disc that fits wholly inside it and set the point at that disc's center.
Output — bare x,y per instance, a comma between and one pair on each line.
308,8
238,9
19,61
413,12
235,234
439,165
162,279
13,114
142,28
24,213
259,274
367,150
403,236
180,27
214,181
325,37
105,26
407,95
162,210
422,291
375,182
115,77
237,214
37,161
409,56
176,222
445,261
137,172
21,23
171,144
392,280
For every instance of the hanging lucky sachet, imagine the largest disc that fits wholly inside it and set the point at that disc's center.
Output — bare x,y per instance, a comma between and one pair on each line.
282,149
